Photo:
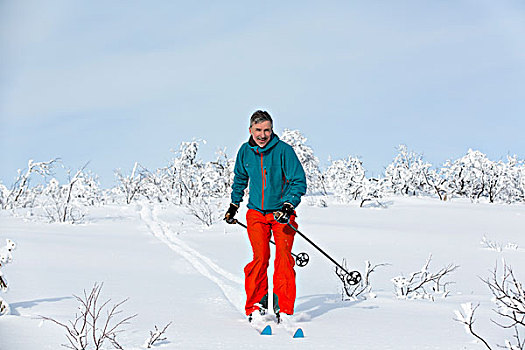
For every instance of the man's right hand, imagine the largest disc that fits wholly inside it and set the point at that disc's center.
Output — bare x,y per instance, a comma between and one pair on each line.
232,210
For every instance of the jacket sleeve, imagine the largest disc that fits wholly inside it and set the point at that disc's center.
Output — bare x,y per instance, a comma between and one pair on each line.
294,173
240,179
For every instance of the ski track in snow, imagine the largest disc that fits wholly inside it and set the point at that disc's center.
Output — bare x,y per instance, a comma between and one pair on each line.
230,284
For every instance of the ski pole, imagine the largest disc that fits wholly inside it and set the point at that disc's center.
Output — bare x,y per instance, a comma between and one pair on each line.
352,278
301,259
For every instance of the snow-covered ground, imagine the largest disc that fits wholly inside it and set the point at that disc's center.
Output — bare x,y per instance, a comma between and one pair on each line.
173,269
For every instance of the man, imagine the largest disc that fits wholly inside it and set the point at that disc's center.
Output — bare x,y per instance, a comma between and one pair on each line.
277,182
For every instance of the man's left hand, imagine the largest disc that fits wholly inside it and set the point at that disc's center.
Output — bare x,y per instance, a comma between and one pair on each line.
283,216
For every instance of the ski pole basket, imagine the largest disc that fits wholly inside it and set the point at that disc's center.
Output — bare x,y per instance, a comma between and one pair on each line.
351,278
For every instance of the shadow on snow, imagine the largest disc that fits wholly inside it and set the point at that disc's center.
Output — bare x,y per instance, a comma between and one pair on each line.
317,305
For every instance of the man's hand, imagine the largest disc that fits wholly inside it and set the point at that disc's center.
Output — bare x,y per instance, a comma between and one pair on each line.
232,210
283,216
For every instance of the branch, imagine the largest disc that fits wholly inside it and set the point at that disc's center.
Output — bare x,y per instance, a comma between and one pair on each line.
467,318
156,336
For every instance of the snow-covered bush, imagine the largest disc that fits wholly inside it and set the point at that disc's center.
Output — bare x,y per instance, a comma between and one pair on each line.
6,257
416,286
207,210
310,163
489,244
509,296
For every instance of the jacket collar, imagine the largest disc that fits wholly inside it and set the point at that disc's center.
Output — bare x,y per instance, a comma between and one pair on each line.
273,141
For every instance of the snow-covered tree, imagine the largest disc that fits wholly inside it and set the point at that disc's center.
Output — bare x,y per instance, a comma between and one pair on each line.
212,183
131,185
408,174
475,176
217,176
198,185
153,185
19,196
4,193
436,183
184,172
6,257
66,203
87,189
308,160
373,189
511,186
346,178
468,175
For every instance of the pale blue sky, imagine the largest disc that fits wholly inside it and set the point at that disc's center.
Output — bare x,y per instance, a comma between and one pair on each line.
114,82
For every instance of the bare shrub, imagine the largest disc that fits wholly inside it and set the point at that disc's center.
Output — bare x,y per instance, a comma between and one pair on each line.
361,290
95,324
509,297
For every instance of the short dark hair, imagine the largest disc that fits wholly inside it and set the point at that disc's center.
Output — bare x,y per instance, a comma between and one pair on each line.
260,117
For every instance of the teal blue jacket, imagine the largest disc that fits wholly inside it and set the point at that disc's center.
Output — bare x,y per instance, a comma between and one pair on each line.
274,173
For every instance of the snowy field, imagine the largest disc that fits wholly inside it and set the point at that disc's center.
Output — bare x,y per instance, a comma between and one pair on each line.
173,269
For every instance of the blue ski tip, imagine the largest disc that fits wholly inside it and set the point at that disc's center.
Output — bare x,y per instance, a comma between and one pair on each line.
299,333
267,330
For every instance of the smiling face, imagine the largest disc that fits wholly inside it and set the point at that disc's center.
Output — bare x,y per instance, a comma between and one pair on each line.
261,133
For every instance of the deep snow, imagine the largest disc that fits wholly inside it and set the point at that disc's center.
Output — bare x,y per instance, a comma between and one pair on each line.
174,269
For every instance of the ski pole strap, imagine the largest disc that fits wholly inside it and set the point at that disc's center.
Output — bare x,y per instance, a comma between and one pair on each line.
319,249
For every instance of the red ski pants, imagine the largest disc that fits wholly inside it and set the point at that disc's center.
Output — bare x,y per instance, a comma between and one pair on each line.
260,228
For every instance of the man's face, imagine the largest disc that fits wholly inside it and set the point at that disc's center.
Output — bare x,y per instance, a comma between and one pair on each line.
261,133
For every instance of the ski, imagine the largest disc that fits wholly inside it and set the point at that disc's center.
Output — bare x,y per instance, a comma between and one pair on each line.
289,326
262,329
298,333
260,323
267,330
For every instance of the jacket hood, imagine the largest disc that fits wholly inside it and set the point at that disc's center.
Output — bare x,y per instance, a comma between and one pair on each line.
273,141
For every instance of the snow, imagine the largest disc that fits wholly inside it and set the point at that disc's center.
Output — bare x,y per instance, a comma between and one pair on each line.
174,269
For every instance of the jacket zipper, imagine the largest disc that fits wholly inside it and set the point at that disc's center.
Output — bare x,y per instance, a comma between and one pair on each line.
263,175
